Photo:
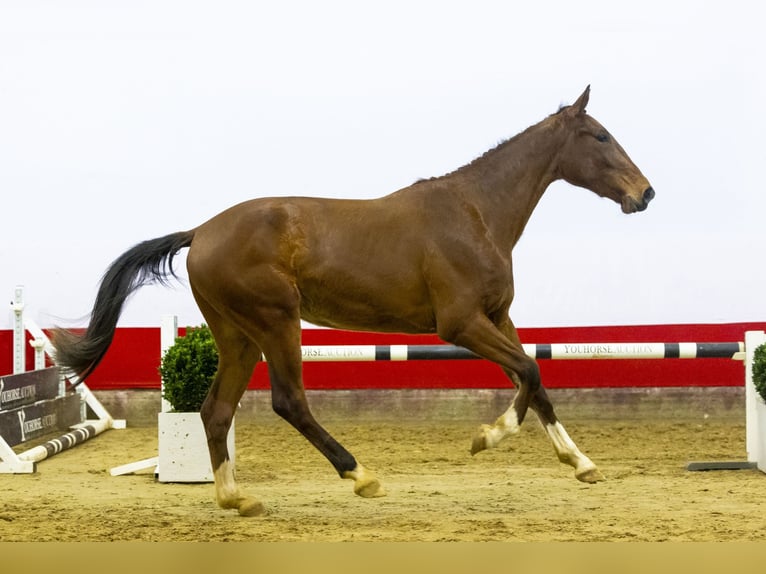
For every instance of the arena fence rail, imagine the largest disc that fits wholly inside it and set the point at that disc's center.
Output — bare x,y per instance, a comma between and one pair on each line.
738,350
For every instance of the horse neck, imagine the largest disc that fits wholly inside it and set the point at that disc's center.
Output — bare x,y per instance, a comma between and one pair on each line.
510,179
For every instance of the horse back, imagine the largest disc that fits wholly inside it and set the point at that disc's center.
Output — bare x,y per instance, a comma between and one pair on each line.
361,264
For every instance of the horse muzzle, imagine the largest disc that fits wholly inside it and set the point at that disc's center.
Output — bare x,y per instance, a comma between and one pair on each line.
631,205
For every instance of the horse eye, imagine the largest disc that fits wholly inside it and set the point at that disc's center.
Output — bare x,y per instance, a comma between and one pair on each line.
603,138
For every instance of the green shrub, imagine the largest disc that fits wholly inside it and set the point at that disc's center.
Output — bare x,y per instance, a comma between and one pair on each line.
187,369
759,370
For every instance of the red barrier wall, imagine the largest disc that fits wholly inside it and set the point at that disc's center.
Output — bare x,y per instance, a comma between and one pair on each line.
134,356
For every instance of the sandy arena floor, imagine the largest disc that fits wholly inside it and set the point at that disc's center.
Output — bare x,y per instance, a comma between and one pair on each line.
436,490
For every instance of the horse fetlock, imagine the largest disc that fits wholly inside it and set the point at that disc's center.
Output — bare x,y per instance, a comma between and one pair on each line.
366,484
479,442
228,495
488,436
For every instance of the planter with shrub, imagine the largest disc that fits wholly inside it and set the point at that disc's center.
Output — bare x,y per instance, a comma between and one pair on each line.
759,371
757,400
187,369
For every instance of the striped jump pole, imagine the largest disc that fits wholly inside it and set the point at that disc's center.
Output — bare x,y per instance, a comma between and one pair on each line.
555,351
66,441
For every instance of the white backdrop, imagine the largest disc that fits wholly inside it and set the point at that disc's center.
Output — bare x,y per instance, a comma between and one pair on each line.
125,121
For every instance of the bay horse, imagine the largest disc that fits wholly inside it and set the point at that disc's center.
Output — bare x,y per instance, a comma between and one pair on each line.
434,257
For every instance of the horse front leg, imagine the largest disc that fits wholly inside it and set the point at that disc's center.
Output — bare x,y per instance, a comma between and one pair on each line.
289,402
566,450
490,435
484,338
525,375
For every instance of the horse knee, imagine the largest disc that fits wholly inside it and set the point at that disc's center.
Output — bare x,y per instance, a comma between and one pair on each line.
529,375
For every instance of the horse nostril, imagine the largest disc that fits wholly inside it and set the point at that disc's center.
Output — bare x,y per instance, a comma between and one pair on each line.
648,194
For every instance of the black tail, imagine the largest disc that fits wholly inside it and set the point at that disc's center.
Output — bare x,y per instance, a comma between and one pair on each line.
148,262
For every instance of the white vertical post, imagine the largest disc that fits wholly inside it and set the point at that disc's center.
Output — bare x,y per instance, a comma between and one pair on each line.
168,334
19,336
753,409
39,346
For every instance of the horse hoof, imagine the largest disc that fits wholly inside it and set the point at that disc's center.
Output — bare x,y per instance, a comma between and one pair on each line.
366,483
480,441
251,507
369,489
479,444
590,475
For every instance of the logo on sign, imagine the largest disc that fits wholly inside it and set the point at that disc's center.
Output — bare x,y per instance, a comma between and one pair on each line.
607,349
32,426
17,394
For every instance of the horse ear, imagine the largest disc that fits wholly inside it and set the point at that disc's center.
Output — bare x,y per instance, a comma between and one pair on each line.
579,106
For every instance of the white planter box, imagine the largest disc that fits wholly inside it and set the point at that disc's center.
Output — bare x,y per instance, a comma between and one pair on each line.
183,452
755,408
760,446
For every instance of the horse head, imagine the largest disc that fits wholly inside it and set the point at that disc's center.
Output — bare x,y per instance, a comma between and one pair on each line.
592,158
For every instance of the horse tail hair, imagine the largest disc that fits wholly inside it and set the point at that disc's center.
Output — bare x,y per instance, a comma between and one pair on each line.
146,263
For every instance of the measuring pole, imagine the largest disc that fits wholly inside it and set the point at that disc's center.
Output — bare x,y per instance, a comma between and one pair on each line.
19,338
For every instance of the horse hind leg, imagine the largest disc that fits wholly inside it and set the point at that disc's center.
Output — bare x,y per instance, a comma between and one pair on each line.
217,413
283,353
237,357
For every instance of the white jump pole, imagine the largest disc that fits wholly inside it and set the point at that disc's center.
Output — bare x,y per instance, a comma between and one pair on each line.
168,334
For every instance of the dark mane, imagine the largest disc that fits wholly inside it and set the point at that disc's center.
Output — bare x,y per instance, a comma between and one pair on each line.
501,145
486,155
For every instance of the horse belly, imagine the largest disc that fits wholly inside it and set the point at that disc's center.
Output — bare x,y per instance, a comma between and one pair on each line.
386,308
